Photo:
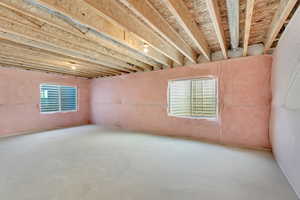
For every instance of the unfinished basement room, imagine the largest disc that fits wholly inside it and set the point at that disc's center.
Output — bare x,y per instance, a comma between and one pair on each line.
149,100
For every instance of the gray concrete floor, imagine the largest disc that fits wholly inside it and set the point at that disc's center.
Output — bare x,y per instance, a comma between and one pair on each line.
93,163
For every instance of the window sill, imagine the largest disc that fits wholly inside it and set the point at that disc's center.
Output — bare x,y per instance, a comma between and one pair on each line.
57,112
190,117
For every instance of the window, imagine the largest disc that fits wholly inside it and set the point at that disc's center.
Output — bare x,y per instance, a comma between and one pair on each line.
57,98
193,98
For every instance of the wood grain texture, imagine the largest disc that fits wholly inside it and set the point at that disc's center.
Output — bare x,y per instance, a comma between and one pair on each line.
214,12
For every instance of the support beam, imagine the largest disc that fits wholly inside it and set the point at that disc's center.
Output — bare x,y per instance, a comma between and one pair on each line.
283,11
185,19
15,31
36,29
34,67
56,67
14,50
214,12
114,12
36,63
106,46
248,20
87,24
16,54
73,38
31,65
152,17
233,11
87,15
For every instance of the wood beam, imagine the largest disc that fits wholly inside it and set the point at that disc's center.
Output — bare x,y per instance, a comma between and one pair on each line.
152,17
113,11
35,62
42,30
185,19
25,34
42,67
19,49
248,20
98,30
12,50
59,66
73,33
19,6
94,20
22,51
233,11
283,11
214,12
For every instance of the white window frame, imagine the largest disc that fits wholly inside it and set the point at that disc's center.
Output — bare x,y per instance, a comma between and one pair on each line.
195,117
59,99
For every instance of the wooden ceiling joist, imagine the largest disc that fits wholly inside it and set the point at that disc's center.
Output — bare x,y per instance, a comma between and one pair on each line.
44,31
65,66
25,34
102,32
26,41
213,9
282,13
233,10
40,14
105,47
113,11
152,17
99,38
78,70
248,20
12,50
19,50
33,65
185,19
89,16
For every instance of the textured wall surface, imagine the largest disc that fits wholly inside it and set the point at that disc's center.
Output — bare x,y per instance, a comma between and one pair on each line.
139,102
20,96
285,122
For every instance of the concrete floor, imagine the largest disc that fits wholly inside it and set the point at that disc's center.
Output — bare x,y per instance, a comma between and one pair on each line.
92,163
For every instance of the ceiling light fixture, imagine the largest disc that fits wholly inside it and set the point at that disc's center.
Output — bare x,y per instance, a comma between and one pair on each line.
146,48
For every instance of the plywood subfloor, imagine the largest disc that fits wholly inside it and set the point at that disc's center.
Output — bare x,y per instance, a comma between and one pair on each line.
92,163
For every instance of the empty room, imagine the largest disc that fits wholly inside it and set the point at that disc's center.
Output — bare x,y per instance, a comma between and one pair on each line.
149,99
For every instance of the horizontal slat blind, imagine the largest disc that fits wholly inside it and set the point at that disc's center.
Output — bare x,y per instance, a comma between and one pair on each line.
193,98
180,98
204,98
68,98
57,98
49,98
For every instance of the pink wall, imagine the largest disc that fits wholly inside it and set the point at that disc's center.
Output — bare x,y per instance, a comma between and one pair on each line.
285,122
139,102
19,102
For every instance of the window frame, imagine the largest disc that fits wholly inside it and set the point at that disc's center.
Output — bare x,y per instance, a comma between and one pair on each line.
59,100
195,117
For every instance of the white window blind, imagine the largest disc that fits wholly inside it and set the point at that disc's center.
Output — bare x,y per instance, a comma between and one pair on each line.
68,96
49,101
57,98
193,98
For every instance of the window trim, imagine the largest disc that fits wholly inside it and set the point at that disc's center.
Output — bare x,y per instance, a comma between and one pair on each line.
60,111
194,117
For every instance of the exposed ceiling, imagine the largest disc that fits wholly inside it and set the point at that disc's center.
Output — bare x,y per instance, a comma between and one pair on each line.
99,38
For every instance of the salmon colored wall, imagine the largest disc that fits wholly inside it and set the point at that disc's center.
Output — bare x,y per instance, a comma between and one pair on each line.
139,102
19,102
